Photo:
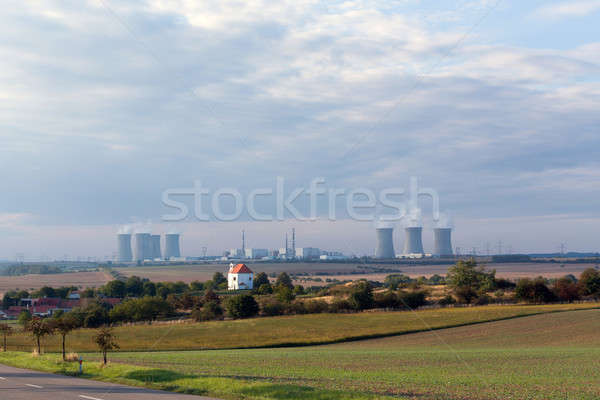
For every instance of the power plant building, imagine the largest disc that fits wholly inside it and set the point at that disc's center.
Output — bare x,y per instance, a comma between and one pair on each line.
413,244
143,246
308,253
156,253
442,242
256,253
172,249
124,248
385,243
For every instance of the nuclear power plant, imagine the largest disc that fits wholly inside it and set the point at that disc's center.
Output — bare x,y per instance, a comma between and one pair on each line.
156,253
124,247
442,242
143,246
385,243
413,244
172,246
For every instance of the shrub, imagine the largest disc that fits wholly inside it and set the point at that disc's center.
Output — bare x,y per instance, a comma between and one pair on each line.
316,306
241,306
210,311
533,291
446,301
566,290
285,294
284,280
590,282
465,294
361,297
265,288
271,307
388,299
340,305
413,299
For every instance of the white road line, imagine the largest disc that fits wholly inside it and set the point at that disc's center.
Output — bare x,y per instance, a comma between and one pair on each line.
2,378
34,386
88,397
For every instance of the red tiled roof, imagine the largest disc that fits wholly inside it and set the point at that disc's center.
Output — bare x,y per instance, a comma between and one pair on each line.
241,269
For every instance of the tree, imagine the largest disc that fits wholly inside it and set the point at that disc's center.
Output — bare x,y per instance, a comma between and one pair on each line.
24,318
241,306
134,286
261,279
5,330
65,325
533,291
284,280
106,341
209,311
115,288
361,297
265,288
566,290
210,296
468,280
219,279
39,328
590,282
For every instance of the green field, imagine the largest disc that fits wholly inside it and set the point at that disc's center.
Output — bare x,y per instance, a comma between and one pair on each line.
552,356
545,356
288,330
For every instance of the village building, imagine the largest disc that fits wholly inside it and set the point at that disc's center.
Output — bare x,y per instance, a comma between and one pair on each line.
240,277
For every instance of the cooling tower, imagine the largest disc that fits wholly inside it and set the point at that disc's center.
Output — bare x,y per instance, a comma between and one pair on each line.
124,247
143,246
385,243
443,241
172,245
413,243
156,253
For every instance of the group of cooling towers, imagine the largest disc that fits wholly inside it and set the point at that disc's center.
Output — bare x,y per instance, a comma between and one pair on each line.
413,243
147,247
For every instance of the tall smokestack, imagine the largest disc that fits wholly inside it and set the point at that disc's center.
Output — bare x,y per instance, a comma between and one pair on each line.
385,243
413,243
156,253
124,247
443,242
143,246
172,245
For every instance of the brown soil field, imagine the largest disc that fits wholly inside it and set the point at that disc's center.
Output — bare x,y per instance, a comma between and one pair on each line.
28,282
189,273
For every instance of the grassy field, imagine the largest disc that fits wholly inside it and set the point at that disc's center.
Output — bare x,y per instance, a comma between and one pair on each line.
547,356
34,281
289,330
551,356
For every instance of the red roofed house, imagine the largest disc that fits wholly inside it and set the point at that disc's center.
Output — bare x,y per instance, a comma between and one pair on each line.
240,277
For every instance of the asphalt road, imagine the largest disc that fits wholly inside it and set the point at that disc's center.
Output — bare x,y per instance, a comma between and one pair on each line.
22,384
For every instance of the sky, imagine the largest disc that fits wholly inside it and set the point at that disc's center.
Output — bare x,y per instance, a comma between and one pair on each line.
104,105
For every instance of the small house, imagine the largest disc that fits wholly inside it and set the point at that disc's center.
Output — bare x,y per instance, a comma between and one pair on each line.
240,277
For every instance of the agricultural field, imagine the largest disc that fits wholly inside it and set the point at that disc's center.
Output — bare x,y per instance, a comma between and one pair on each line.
289,330
348,271
549,356
34,281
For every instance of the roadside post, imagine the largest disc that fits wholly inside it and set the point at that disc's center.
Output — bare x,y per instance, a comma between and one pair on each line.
80,365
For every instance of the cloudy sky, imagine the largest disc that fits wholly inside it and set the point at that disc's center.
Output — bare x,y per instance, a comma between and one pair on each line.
104,105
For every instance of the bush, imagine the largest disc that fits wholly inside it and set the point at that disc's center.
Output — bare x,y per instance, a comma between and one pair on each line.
566,290
590,282
361,297
533,291
241,306
271,307
465,294
340,305
446,301
285,294
144,309
412,300
265,288
316,306
210,311
388,299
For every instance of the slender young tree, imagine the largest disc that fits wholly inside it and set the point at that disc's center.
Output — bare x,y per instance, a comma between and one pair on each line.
106,341
6,330
39,328
65,325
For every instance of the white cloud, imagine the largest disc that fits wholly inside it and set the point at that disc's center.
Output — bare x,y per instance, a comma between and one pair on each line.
567,9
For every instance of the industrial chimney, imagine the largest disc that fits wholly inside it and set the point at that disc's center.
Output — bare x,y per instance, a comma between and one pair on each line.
156,253
443,242
413,243
172,245
143,246
385,243
124,247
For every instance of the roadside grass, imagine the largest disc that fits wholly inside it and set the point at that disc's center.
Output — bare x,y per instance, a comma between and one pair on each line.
188,383
295,330
550,357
